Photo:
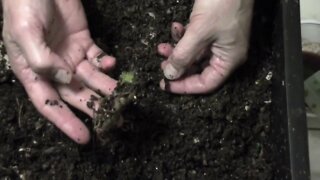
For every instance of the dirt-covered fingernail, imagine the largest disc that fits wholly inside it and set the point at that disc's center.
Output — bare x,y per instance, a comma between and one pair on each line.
165,49
171,72
177,31
63,76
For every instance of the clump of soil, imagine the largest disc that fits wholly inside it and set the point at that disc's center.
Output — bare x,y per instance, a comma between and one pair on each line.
110,114
224,135
4,64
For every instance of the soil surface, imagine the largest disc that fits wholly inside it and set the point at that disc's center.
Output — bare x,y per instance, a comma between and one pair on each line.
224,135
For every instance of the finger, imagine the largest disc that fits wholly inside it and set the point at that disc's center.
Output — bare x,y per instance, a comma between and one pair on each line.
165,49
185,53
94,79
210,79
191,70
177,31
41,58
100,59
80,97
49,104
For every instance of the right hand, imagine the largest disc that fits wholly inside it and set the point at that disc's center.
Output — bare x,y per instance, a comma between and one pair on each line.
49,40
215,41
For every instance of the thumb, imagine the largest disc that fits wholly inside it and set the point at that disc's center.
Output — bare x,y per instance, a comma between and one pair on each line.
42,59
185,53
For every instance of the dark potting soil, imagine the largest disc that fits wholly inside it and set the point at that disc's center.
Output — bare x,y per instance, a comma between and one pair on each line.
224,135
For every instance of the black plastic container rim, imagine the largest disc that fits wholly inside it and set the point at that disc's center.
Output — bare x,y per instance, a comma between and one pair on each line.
290,92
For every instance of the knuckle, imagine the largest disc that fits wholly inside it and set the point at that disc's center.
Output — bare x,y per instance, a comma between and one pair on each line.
178,57
20,27
40,65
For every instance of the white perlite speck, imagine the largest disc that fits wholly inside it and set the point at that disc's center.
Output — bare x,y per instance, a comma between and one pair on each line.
151,14
269,76
268,101
196,140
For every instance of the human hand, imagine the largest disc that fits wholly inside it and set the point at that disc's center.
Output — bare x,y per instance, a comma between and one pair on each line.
215,40
52,54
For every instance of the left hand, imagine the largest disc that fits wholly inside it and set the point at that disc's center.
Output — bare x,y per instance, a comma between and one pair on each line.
49,40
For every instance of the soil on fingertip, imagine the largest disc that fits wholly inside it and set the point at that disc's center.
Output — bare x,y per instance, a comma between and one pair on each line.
223,135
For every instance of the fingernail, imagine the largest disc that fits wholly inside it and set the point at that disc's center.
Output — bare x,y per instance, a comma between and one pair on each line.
172,73
63,76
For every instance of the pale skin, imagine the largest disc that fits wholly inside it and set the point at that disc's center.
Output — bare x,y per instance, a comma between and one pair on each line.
218,30
45,36
52,54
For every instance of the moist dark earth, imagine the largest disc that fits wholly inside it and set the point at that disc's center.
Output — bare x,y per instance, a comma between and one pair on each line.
223,135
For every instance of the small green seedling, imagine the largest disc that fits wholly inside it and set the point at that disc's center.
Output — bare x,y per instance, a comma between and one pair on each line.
110,116
127,77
